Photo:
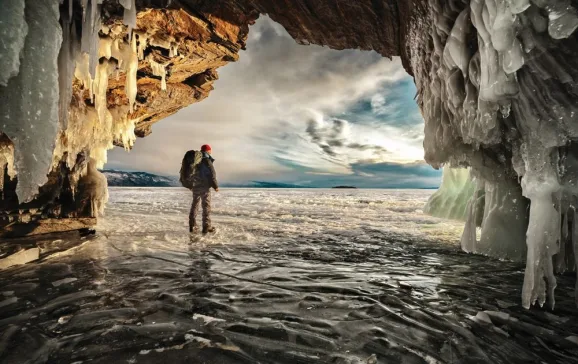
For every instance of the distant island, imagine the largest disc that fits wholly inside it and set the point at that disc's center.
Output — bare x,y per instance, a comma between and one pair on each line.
346,187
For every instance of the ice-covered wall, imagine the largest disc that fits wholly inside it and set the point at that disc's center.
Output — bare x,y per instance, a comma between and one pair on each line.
501,96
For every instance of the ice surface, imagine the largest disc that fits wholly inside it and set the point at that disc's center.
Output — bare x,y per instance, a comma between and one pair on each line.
346,275
21,257
13,31
30,101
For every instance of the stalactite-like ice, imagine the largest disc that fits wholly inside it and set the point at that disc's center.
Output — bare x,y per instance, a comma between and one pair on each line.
513,115
93,190
66,64
6,162
129,14
30,100
87,132
132,68
451,200
159,70
90,28
103,71
500,210
13,31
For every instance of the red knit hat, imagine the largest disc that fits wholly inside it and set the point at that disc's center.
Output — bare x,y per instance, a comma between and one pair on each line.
206,148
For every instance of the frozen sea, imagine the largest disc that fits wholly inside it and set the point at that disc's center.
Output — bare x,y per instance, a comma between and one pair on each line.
291,276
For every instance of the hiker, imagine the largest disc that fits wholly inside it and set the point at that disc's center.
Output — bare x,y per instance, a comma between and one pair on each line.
198,175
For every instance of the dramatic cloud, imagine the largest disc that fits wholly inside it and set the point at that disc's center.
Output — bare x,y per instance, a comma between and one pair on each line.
297,114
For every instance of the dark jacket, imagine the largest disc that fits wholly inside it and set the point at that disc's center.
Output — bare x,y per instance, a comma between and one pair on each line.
205,176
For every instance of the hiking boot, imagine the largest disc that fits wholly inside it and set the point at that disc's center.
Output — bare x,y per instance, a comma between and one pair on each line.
209,230
193,229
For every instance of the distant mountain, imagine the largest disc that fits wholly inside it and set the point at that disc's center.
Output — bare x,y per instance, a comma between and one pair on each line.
345,187
138,179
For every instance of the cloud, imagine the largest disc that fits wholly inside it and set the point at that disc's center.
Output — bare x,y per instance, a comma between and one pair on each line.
286,110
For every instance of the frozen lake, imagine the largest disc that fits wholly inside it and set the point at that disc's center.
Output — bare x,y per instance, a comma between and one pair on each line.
291,276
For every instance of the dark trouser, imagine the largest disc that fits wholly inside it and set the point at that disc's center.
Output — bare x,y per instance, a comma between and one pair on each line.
203,197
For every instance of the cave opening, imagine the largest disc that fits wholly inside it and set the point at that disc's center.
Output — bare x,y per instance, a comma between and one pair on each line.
494,81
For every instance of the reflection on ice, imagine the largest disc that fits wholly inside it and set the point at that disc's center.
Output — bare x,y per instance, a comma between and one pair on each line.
290,277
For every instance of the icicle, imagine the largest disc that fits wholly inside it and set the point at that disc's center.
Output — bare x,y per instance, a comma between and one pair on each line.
82,73
129,15
90,40
159,70
30,101
103,72
66,67
84,4
131,75
14,29
123,128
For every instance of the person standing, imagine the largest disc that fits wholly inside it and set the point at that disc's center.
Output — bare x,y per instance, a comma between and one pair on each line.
203,178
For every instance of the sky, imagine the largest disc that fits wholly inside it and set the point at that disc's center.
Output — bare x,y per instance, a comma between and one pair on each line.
300,115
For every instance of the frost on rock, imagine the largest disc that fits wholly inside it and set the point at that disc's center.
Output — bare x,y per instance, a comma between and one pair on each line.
30,100
451,199
501,97
13,31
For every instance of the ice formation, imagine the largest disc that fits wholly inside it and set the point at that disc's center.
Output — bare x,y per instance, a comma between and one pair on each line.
161,71
93,190
30,100
40,116
6,161
500,98
451,200
129,14
13,30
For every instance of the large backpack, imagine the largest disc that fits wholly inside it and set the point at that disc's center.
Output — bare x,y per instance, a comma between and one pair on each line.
189,167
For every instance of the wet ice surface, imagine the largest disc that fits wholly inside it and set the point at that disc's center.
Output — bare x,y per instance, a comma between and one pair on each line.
292,276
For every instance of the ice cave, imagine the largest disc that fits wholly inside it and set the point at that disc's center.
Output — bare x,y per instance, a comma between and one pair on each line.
497,86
